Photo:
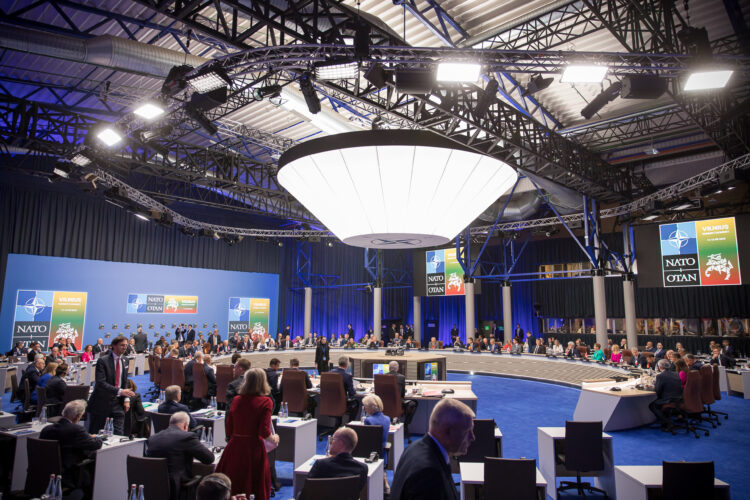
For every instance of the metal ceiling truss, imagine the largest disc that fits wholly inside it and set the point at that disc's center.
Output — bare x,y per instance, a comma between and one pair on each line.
247,24
146,201
689,185
23,16
655,124
508,88
649,26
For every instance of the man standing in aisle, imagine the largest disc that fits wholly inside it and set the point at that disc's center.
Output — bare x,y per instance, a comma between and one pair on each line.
190,336
110,397
141,341
322,355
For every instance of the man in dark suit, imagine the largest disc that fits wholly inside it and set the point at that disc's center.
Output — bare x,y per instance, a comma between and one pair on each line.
539,348
352,403
573,352
350,331
294,365
649,347
32,374
719,358
19,351
322,355
141,341
34,349
179,333
727,349
340,463
668,390
172,405
233,388
424,471
519,332
76,445
54,356
409,406
214,339
99,347
190,335
180,448
693,362
110,397
434,343
454,334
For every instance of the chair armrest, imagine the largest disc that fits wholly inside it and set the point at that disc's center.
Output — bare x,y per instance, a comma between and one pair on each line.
387,446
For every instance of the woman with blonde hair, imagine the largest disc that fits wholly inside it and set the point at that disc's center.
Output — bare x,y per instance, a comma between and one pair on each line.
372,406
248,426
616,355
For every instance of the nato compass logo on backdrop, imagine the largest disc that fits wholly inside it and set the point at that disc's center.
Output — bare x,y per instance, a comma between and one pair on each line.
239,314
145,303
435,262
679,254
33,305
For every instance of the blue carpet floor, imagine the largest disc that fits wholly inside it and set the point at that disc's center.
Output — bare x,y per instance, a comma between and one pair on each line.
520,406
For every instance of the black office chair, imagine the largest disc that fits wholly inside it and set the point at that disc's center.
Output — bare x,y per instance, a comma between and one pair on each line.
159,421
484,445
583,453
340,488
681,480
153,474
369,439
44,460
512,479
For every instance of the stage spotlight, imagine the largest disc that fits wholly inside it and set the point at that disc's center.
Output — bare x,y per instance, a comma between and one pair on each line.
650,217
175,81
380,124
696,42
707,79
205,232
458,72
188,231
141,216
308,91
537,84
583,73
415,81
681,205
601,100
378,75
643,87
362,41
81,159
149,110
336,70
201,119
209,100
155,133
280,243
486,98
330,244
109,136
269,91
62,170
210,78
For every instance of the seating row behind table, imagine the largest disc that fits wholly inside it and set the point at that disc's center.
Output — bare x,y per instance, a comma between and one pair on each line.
111,456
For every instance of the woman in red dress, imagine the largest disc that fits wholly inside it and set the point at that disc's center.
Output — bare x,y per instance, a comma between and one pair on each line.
248,423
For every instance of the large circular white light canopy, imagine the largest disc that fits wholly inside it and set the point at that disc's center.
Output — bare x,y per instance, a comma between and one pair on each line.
393,188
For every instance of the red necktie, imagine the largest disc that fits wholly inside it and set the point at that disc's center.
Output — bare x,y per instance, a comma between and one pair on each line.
117,372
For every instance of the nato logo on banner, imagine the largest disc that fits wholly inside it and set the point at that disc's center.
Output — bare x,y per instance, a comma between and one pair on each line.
47,316
139,303
248,315
679,254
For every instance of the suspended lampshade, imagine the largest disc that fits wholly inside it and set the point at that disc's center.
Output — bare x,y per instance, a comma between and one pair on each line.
393,188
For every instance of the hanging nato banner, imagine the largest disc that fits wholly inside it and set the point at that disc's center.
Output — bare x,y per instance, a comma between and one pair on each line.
445,276
248,315
700,253
162,304
46,317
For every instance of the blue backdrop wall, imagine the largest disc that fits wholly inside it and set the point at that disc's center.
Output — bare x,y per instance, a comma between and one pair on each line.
108,285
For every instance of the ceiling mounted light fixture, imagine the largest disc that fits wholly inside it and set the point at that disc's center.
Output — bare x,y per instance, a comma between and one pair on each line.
209,78
441,186
458,72
583,73
337,70
109,136
149,110
707,80
537,84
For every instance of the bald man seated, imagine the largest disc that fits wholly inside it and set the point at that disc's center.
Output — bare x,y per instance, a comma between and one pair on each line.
424,471
340,463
